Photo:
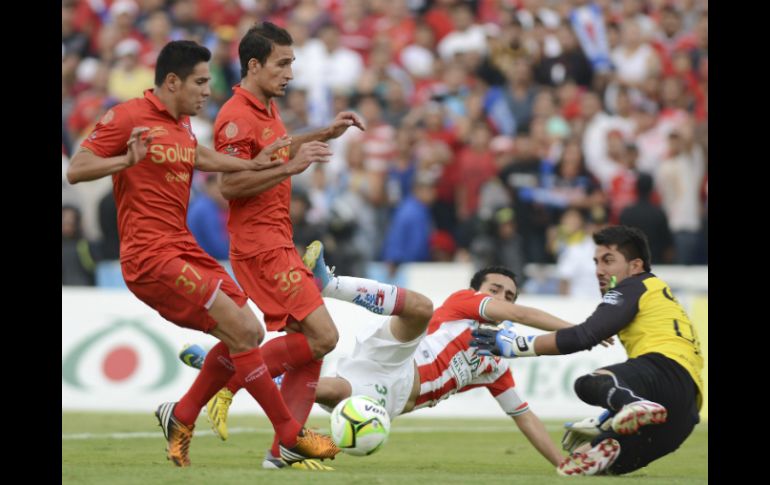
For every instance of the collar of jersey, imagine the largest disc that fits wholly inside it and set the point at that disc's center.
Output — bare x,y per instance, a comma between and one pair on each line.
150,96
253,99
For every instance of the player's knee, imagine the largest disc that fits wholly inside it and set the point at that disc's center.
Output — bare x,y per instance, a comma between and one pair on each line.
249,332
593,388
324,343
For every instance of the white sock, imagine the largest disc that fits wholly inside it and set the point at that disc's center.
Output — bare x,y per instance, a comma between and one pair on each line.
376,297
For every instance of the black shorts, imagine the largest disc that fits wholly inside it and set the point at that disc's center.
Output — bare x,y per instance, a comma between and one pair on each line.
659,379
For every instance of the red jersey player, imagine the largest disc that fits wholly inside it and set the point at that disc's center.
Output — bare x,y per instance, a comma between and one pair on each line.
148,147
262,251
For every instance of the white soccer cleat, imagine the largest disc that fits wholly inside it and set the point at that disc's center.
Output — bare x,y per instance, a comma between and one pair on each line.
637,414
595,461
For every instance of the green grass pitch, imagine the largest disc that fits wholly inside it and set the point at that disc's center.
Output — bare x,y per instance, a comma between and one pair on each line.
100,448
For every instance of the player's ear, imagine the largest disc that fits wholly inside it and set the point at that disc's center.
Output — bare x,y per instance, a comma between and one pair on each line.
172,82
254,65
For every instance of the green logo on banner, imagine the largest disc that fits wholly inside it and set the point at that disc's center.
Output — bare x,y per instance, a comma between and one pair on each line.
70,364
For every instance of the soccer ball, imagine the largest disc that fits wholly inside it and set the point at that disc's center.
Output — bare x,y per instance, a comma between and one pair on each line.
360,425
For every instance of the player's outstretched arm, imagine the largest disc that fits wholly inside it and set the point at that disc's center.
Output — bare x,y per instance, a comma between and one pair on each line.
208,160
341,123
534,429
499,311
248,183
86,165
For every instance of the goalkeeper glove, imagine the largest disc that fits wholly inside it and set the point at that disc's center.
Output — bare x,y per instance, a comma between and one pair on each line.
502,340
583,431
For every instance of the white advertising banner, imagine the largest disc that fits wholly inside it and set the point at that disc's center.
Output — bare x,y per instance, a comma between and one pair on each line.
119,355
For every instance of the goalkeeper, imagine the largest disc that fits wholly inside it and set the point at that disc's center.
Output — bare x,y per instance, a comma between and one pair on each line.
660,383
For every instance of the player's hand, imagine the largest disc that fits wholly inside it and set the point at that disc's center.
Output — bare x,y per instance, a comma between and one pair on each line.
137,146
310,152
501,340
267,157
343,121
607,342
583,431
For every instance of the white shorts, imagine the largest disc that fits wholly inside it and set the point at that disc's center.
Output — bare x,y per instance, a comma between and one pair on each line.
381,367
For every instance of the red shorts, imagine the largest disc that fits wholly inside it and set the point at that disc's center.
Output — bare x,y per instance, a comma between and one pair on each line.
280,284
181,286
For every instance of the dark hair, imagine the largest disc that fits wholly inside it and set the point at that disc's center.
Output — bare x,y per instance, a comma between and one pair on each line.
644,185
179,57
630,241
481,275
258,44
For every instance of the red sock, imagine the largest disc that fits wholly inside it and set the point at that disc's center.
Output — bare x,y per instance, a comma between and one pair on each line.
216,370
234,384
287,352
290,351
298,391
252,371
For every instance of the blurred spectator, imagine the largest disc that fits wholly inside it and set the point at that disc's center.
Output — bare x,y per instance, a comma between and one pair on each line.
109,246
651,220
207,219
634,59
521,93
356,28
622,191
408,236
500,244
466,35
522,178
570,63
572,186
574,249
442,246
158,31
304,231
598,125
476,166
679,181
128,79
77,262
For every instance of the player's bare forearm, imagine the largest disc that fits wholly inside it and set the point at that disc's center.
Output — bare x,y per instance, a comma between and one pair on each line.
546,345
86,166
502,310
248,183
297,140
531,426
208,160
339,125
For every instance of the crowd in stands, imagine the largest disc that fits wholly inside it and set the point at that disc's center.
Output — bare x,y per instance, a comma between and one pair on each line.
498,131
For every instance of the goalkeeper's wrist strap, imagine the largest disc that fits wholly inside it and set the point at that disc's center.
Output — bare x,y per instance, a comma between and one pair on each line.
524,346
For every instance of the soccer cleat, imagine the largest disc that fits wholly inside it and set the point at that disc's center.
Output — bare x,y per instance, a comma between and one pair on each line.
177,434
272,463
216,412
309,445
193,355
314,260
595,461
634,415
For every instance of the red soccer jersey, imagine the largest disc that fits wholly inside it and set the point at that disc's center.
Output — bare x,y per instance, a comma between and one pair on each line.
259,223
153,195
447,365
